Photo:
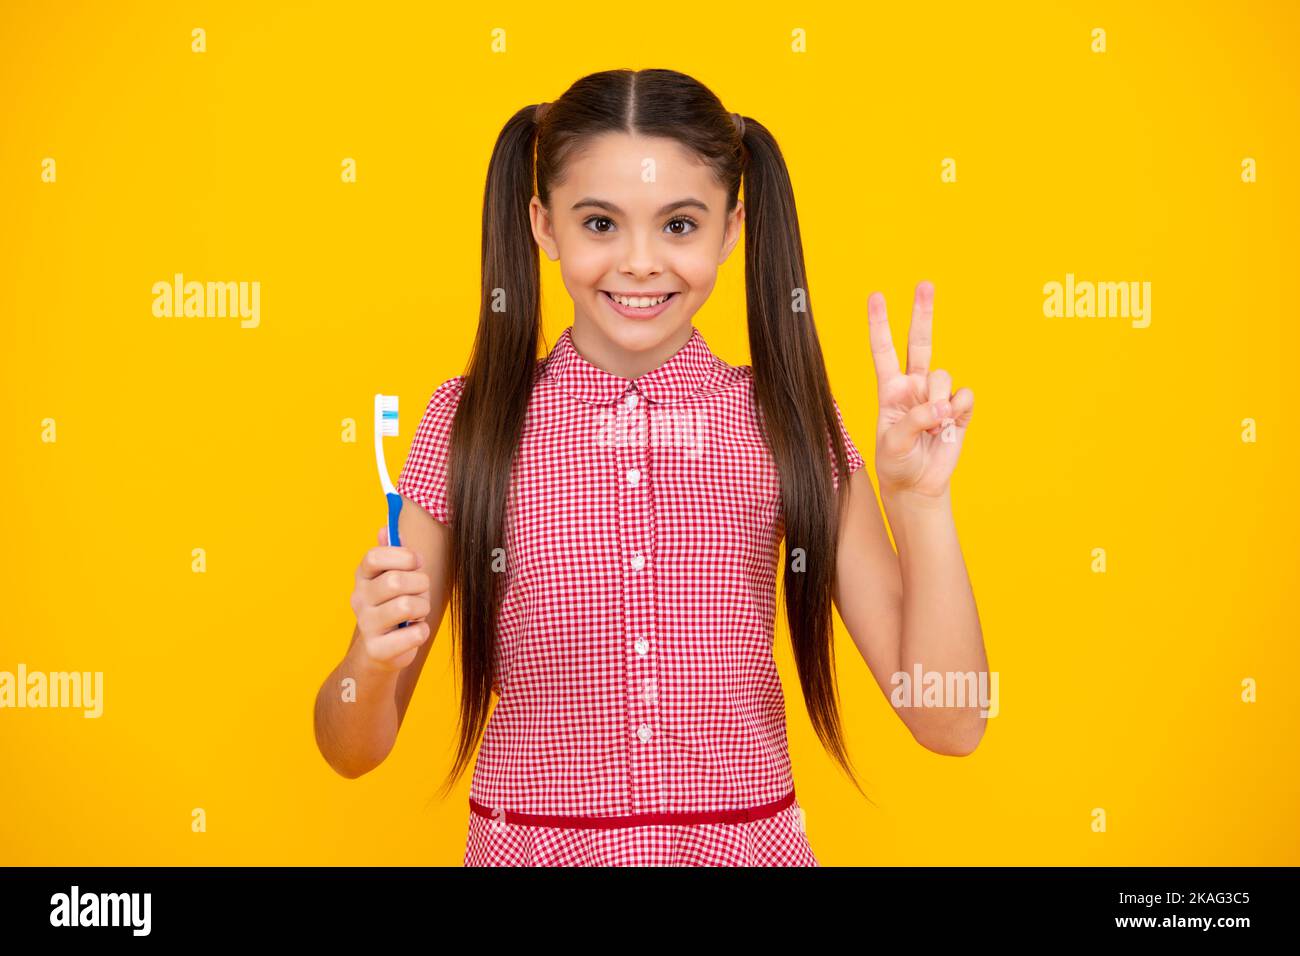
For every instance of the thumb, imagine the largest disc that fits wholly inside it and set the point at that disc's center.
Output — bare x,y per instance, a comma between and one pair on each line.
383,534
920,418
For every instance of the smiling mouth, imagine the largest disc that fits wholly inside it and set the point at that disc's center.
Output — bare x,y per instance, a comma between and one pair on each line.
654,301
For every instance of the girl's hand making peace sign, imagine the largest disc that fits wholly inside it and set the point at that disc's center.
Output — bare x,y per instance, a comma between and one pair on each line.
922,423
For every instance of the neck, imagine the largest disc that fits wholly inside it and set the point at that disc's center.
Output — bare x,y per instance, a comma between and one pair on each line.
602,352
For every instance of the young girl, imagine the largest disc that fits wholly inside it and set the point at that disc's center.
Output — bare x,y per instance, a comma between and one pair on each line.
606,520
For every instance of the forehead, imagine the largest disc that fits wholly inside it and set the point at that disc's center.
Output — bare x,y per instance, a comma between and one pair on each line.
635,172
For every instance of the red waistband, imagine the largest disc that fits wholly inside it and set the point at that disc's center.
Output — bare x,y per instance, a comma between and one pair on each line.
744,815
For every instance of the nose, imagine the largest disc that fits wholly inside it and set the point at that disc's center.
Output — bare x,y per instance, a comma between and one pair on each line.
641,258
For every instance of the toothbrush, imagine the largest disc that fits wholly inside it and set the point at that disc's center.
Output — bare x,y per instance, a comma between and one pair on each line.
386,424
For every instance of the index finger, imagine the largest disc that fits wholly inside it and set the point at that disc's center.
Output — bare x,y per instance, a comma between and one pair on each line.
918,335
883,356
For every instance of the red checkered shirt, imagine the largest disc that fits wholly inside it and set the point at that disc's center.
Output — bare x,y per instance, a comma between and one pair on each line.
640,718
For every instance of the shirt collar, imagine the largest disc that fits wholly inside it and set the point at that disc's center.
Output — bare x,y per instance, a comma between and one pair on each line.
679,377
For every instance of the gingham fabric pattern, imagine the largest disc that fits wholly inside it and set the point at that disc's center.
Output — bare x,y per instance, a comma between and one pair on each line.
776,840
634,656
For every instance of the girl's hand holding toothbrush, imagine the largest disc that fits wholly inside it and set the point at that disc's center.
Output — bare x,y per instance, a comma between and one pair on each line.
391,588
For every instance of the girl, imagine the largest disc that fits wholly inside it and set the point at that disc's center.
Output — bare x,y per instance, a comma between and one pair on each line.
606,521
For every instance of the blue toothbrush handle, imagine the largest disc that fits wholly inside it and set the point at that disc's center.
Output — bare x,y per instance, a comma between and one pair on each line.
394,511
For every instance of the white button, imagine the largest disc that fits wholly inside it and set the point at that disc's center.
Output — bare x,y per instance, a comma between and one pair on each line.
638,561
631,400
644,732
633,476
642,645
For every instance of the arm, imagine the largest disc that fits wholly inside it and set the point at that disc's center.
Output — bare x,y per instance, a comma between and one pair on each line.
914,609
356,735
912,613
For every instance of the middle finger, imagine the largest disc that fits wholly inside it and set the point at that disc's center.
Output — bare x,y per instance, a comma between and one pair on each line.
918,335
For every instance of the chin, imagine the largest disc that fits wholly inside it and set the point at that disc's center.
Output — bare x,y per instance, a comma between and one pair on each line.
633,334
632,337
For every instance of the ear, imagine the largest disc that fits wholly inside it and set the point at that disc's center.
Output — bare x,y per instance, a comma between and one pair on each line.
543,229
732,234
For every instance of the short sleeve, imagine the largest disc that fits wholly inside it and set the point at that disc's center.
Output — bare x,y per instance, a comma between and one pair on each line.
850,449
424,476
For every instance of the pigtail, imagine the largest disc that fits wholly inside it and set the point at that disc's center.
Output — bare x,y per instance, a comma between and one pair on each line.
489,421
798,413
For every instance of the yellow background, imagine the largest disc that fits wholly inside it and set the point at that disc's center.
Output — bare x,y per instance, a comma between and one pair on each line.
1119,690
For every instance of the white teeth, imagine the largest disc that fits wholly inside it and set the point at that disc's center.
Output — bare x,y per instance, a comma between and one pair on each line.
639,302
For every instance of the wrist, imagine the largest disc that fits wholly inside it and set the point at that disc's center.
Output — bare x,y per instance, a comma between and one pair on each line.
919,523
370,670
908,499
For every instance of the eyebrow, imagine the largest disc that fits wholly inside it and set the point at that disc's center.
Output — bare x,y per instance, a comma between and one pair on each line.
610,207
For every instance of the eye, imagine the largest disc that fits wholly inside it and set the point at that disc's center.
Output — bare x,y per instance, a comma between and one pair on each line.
686,219
591,219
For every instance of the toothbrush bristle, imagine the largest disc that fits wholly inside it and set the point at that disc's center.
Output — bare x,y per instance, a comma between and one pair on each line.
388,415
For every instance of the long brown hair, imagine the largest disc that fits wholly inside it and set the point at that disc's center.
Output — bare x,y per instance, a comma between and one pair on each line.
793,395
